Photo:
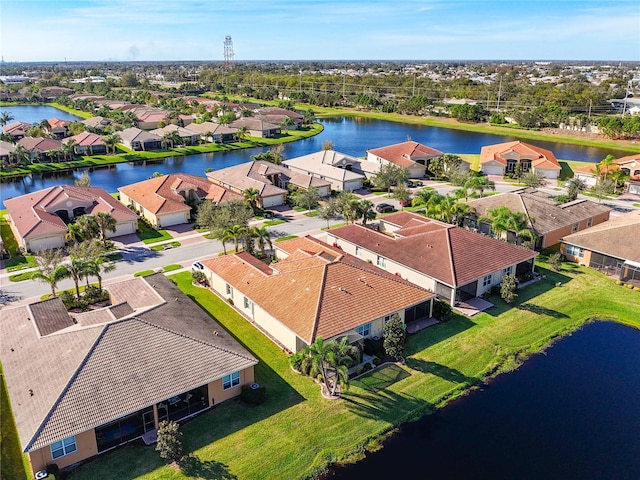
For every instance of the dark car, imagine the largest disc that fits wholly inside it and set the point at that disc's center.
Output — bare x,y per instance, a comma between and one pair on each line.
384,208
410,183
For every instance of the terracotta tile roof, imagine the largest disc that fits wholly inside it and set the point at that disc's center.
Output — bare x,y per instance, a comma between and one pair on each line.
83,393
33,214
160,195
332,295
86,139
617,237
55,123
449,254
547,215
17,128
540,157
405,153
40,144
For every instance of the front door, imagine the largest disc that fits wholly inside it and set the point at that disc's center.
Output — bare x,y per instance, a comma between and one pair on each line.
147,421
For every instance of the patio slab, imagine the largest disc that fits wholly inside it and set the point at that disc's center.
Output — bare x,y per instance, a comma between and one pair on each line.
421,324
473,306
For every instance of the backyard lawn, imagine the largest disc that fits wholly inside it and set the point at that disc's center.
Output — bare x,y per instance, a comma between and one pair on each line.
296,433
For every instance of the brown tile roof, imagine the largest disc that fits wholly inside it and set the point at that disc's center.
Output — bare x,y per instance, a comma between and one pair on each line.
253,124
86,139
50,316
451,255
160,195
547,215
33,214
540,157
17,128
403,154
134,134
618,237
83,393
331,294
40,144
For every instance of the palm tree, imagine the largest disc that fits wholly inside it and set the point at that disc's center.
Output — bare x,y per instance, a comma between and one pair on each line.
111,141
459,211
318,352
234,233
171,138
286,123
49,262
366,211
439,207
52,278
98,267
263,238
251,197
480,184
105,223
242,132
500,220
422,196
351,210
74,270
69,148
20,155
605,163
5,118
341,354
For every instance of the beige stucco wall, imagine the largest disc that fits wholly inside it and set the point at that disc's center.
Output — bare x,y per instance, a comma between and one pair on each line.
496,279
554,237
86,448
217,394
586,260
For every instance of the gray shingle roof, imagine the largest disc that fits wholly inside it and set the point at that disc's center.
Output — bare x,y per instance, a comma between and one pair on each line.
50,316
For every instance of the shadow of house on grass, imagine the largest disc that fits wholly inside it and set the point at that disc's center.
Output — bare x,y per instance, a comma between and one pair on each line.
540,310
388,406
446,373
435,334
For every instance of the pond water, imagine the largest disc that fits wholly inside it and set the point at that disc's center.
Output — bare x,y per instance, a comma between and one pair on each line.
353,136
37,113
571,413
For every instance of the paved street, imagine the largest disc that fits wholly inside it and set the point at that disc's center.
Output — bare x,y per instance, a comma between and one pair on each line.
138,257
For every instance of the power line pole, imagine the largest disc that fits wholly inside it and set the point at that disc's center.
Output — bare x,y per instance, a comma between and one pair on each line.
228,51
499,94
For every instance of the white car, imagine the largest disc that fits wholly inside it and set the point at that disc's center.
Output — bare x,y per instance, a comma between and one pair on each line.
197,266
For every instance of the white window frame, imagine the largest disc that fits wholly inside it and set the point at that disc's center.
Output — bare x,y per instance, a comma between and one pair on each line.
589,222
487,279
248,304
381,262
358,251
64,447
364,330
231,380
575,227
387,318
229,290
507,271
575,251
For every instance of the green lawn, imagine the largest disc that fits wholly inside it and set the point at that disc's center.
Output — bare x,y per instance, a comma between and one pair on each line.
286,237
172,267
296,433
165,246
144,273
13,465
19,277
148,235
16,260
271,223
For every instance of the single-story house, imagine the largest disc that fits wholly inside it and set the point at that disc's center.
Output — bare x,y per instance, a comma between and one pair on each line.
6,149
503,158
214,132
265,110
190,137
412,155
256,127
168,200
455,263
612,247
314,164
149,118
97,122
137,139
41,148
334,294
17,130
630,165
53,92
82,384
87,143
39,219
269,179
548,219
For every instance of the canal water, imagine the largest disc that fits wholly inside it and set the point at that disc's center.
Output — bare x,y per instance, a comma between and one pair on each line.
570,413
353,136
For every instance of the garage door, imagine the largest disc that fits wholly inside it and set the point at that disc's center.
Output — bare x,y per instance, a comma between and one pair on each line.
38,244
492,169
355,185
173,219
123,229
634,189
271,201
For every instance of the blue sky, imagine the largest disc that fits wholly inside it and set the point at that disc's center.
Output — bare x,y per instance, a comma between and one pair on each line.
50,30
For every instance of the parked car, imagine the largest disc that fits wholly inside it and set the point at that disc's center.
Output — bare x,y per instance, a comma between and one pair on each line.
405,203
197,266
410,183
384,208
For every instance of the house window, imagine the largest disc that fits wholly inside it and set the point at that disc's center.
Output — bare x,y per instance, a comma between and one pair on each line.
575,251
248,305
229,290
382,262
63,447
387,318
487,280
589,222
358,251
231,380
507,271
574,228
364,330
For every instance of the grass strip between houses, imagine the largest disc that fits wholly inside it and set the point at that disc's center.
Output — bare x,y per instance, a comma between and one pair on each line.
297,433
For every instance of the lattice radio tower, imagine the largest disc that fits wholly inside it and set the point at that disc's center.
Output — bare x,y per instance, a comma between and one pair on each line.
228,51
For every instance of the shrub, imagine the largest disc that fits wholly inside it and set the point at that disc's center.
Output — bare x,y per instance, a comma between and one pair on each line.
394,337
169,441
358,370
198,276
319,378
561,198
628,285
619,282
53,469
555,260
508,288
366,367
377,361
636,289
252,396
296,360
93,295
441,310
